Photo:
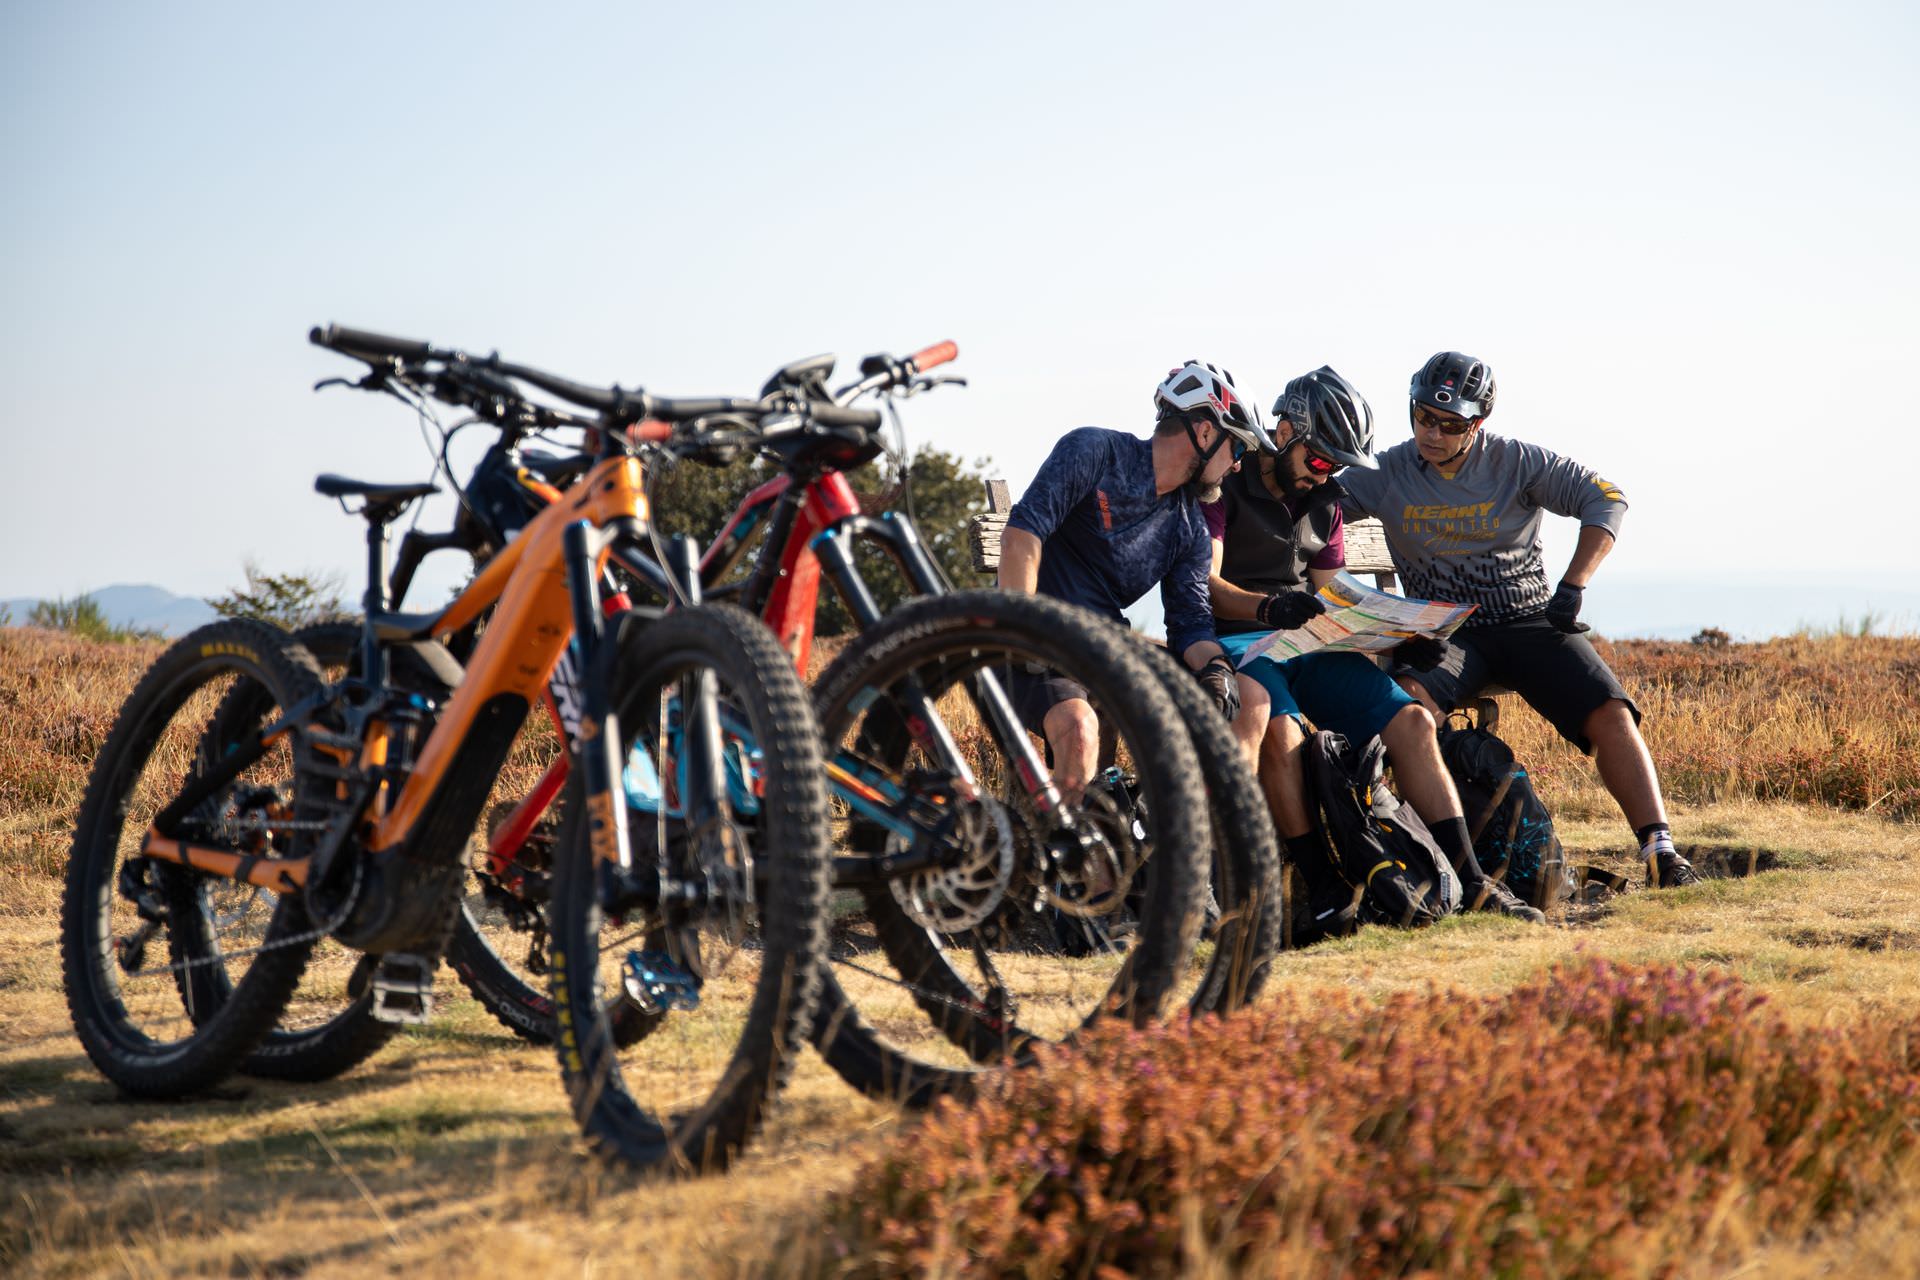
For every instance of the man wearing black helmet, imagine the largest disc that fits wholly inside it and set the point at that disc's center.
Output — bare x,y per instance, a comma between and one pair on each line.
1108,517
1277,538
1462,509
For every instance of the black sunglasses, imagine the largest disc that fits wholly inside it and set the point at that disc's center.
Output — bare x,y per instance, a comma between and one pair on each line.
1444,423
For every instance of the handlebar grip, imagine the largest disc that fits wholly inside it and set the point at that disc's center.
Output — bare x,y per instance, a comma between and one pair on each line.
833,415
937,354
650,431
364,342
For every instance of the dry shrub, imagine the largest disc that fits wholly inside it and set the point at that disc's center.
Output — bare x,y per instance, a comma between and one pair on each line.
1831,720
1607,1120
58,696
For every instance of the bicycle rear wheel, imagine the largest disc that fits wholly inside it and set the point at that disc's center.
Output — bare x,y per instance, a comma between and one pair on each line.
1015,934
727,983
234,953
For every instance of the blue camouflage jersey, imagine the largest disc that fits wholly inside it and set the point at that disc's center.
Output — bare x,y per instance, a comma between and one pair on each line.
1107,537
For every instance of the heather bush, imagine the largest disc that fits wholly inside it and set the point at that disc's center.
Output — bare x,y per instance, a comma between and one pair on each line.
1603,1121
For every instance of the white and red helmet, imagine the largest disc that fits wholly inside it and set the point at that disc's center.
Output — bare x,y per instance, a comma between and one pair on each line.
1197,388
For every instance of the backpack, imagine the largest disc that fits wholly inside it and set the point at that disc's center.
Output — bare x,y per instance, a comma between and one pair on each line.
1512,832
1379,846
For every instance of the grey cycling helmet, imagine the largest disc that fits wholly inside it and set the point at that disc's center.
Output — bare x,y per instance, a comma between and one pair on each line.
1196,388
1332,417
1455,383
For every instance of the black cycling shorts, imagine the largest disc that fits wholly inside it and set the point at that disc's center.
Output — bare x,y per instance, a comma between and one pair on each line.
1559,675
1036,690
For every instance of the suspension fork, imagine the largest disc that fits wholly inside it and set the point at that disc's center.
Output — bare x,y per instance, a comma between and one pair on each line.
598,745
897,536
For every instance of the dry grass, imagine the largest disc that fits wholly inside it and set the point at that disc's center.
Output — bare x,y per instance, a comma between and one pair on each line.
451,1153
1831,720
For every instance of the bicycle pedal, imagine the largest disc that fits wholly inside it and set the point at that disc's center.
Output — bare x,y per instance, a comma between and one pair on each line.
403,989
656,984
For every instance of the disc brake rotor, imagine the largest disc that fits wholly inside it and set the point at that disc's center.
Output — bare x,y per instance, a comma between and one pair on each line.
964,894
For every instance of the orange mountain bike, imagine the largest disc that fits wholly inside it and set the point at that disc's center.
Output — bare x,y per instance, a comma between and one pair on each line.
235,772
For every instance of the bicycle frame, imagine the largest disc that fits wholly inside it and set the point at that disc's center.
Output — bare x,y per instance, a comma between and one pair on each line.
810,524
542,589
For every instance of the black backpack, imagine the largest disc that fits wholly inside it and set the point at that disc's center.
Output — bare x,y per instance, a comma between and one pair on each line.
1380,848
1513,836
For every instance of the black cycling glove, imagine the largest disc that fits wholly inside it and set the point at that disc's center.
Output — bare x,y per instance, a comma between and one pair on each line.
1220,682
1285,610
1564,609
1422,653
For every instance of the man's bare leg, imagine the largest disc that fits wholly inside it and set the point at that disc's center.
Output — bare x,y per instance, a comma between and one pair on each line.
1250,726
1422,776
1625,766
1283,776
1073,732
1420,695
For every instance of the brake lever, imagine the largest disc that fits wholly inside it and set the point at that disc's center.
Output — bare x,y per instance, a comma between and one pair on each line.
376,380
927,383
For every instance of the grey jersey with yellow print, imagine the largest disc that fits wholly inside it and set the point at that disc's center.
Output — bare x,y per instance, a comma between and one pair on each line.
1474,537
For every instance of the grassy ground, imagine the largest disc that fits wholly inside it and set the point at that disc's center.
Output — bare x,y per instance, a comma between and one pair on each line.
450,1153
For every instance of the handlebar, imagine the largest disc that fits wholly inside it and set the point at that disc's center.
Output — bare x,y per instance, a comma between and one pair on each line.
642,418
364,342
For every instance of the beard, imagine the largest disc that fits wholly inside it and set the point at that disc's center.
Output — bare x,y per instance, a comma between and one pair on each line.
1293,480
1201,490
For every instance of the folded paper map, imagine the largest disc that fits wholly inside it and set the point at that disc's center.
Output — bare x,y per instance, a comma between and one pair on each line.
1360,619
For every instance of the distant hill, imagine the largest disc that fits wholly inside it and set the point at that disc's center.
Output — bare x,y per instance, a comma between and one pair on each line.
134,606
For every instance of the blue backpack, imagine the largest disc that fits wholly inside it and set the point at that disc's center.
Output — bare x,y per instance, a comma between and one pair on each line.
1513,837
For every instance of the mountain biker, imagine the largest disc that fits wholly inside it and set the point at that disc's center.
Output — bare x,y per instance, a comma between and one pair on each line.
1277,538
1108,516
1462,509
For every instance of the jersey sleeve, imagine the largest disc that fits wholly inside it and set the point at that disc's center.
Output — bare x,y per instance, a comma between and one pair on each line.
1333,556
1069,474
1564,487
1365,488
1183,593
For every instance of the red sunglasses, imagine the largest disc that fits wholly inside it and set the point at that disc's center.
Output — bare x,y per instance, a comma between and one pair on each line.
1315,463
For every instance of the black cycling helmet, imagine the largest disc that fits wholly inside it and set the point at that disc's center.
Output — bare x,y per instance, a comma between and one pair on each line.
1455,383
1329,414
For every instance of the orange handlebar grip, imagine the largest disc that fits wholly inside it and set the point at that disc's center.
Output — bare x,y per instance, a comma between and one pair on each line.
937,354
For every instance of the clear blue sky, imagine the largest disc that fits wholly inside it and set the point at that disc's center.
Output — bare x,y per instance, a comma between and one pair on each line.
1683,234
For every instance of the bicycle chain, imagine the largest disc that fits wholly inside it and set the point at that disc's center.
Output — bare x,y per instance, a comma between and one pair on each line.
976,1007
149,971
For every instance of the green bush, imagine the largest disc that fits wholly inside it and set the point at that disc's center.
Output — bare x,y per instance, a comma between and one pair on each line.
1606,1120
82,616
290,600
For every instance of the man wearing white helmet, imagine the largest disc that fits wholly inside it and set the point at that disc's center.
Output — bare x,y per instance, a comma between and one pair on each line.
1278,537
1109,517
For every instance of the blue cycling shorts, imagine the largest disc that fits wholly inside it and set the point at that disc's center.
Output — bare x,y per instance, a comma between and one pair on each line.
1343,692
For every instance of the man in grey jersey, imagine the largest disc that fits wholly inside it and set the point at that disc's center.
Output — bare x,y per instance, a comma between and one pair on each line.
1462,509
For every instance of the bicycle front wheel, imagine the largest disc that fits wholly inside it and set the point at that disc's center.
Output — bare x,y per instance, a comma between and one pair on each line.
725,982
1010,922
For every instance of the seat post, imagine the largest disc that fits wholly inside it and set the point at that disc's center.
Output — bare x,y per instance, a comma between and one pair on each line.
373,659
